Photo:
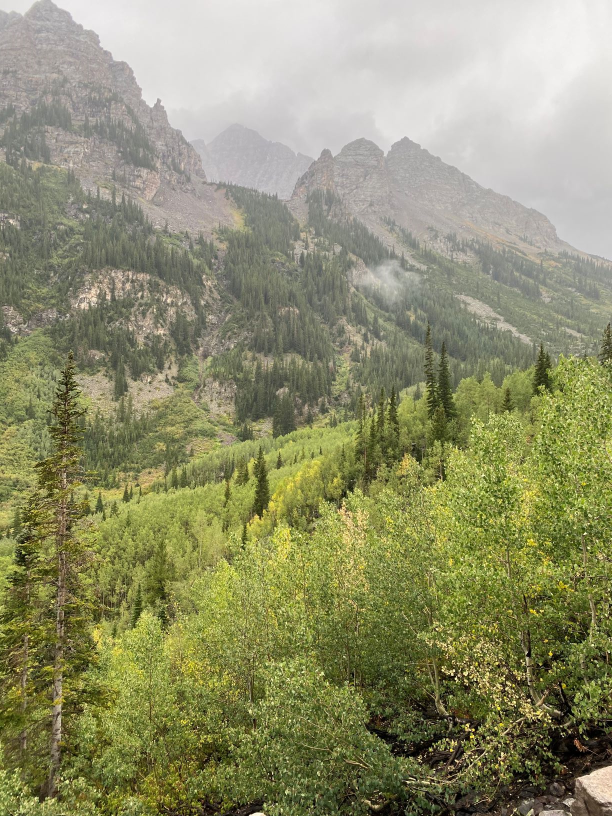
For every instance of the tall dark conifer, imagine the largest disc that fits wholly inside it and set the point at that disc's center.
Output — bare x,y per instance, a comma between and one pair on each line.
445,391
431,383
262,487
541,377
605,354
57,514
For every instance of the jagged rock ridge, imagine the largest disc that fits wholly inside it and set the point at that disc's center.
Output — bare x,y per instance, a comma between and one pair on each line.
422,194
104,129
241,156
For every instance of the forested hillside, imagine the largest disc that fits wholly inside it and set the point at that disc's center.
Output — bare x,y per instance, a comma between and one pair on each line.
293,515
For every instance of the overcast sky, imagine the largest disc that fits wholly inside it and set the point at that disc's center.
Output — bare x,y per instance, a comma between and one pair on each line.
516,93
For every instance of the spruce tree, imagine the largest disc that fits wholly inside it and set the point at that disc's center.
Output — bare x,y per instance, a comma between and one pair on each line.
393,425
57,514
380,419
262,487
99,503
126,494
605,354
137,608
508,403
19,642
541,377
431,384
279,461
228,493
445,391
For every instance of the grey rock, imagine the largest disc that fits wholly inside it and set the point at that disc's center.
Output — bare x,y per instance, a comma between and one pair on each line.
556,789
46,49
568,802
421,193
242,156
555,812
593,794
526,807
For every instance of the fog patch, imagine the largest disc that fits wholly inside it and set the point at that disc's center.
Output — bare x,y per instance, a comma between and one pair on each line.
389,280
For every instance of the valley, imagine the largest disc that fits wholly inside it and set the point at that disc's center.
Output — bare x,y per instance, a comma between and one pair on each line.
304,466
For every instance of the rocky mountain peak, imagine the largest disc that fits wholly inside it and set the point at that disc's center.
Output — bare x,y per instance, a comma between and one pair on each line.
421,192
242,156
46,58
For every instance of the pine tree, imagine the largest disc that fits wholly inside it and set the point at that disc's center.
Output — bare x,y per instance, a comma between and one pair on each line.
279,461
99,503
121,386
541,377
380,419
242,473
507,404
228,493
126,494
58,478
431,384
445,391
393,425
605,354
137,608
262,488
19,631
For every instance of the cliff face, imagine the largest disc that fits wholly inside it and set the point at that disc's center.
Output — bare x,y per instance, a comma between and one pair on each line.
241,156
94,118
420,192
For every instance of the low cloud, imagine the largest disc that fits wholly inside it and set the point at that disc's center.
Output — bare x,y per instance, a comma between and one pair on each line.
390,280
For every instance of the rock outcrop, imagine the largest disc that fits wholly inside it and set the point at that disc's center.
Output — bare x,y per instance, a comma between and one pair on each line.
94,118
593,794
422,194
241,156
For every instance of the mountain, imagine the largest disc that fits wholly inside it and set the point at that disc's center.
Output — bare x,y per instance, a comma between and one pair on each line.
422,194
199,313
55,75
241,156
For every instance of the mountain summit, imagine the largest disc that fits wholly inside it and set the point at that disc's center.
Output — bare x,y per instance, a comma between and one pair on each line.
423,194
242,156
78,108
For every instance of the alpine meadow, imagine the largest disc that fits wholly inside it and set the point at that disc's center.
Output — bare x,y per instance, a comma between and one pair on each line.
305,469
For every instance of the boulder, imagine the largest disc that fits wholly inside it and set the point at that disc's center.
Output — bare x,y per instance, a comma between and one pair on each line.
593,794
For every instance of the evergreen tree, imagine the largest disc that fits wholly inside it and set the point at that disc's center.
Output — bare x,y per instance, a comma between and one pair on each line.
126,494
19,633
508,403
380,419
279,461
137,608
99,503
431,384
541,377
393,425
228,493
57,513
605,354
445,391
120,387
262,487
242,473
